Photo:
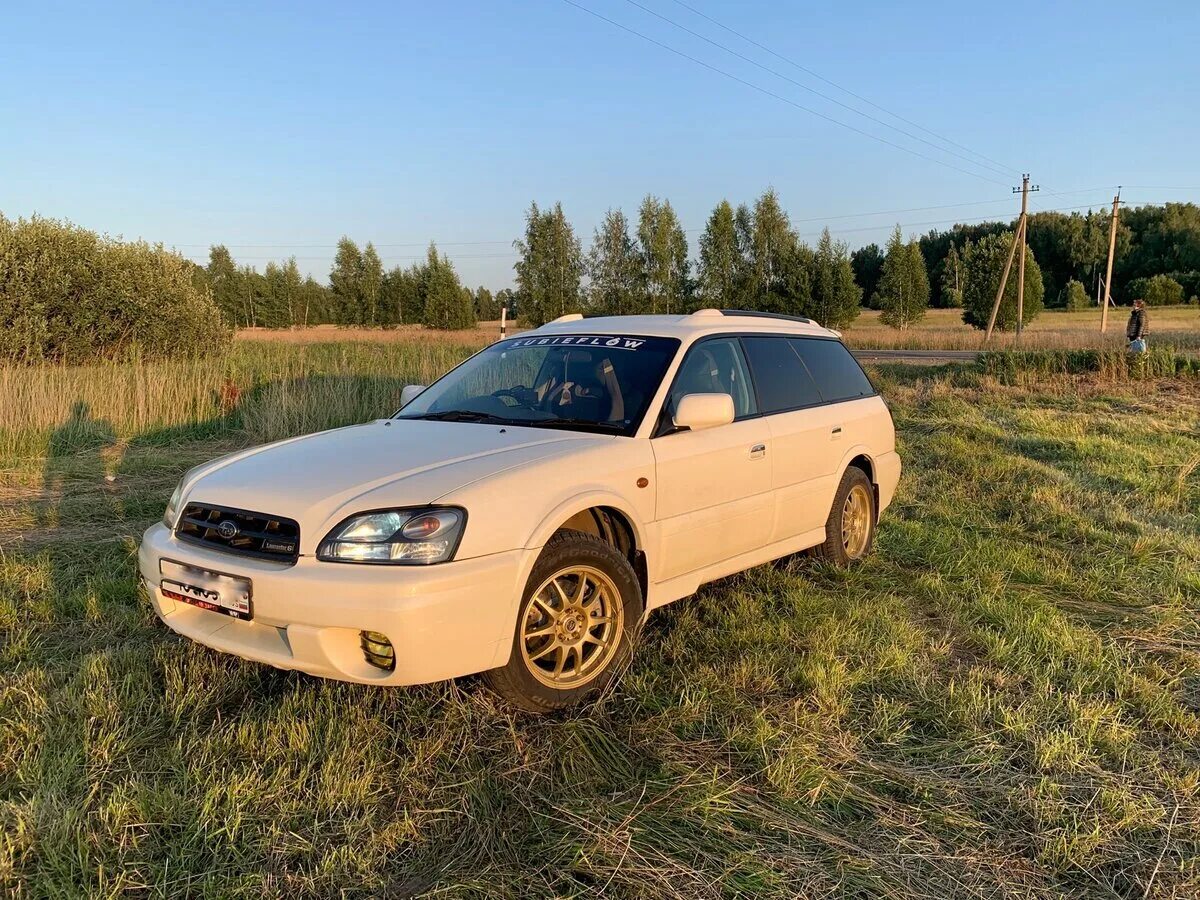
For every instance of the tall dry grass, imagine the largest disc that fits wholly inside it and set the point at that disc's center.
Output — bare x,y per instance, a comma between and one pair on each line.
943,329
265,390
481,333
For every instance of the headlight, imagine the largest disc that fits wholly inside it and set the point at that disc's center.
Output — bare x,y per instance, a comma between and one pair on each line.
172,511
404,537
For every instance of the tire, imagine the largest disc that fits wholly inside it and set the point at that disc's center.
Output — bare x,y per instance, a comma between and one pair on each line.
848,542
559,659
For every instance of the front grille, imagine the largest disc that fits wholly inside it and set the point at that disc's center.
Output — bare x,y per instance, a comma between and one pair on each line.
240,531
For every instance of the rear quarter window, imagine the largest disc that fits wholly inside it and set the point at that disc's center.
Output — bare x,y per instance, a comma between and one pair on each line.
837,374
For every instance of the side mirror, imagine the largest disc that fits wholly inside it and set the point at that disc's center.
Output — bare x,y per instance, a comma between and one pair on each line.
698,411
409,394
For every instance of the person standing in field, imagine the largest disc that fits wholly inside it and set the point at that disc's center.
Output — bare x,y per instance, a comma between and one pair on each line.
1139,325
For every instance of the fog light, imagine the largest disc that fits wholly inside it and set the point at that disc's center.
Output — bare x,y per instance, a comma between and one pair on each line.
378,650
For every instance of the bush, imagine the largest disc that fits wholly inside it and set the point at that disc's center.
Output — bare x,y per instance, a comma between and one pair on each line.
69,295
1157,290
1075,296
1190,282
983,264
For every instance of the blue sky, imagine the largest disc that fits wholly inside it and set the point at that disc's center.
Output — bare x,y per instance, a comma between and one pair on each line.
275,128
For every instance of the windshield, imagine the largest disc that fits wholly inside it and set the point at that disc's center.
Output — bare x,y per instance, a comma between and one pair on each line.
589,382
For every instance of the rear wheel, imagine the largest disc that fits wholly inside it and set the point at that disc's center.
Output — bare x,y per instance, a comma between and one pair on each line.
850,528
580,611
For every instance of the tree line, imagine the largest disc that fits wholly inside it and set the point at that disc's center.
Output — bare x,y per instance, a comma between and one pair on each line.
1157,256
747,257
360,292
69,294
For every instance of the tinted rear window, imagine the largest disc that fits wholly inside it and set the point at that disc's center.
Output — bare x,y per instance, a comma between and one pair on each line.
779,376
837,374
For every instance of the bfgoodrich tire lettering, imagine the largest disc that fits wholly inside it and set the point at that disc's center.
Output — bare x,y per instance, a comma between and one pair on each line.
580,612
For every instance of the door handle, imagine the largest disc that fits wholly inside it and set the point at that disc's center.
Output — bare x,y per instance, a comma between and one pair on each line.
758,451
837,429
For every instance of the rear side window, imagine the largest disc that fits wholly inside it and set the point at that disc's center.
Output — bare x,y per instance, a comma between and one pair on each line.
780,377
837,374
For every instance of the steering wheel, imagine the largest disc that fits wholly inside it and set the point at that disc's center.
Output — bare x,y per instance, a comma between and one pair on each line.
520,395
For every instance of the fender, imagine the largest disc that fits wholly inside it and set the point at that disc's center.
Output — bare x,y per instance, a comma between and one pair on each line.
580,502
550,524
856,450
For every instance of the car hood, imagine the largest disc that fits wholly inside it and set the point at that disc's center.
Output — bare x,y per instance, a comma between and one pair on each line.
321,478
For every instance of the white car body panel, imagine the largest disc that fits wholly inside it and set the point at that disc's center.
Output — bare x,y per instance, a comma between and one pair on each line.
714,496
700,505
325,477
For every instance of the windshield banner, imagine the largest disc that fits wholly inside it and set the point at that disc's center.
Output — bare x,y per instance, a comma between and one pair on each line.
579,340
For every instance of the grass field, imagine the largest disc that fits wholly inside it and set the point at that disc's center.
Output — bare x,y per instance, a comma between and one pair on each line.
941,329
482,333
1003,701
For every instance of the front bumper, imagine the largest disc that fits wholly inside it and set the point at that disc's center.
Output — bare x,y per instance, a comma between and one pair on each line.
444,621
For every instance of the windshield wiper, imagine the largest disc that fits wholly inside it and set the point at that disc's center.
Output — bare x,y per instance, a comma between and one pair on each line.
469,415
462,415
569,422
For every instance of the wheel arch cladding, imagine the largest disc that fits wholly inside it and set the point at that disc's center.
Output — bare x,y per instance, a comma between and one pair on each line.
616,528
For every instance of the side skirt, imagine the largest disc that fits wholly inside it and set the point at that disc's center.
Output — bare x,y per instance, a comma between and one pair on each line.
665,592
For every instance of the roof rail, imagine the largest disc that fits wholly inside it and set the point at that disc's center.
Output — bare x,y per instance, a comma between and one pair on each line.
766,315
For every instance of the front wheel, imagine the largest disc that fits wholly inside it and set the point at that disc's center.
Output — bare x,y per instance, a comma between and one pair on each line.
850,528
579,614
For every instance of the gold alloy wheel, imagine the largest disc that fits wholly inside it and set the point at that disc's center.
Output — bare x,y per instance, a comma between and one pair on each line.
856,521
572,627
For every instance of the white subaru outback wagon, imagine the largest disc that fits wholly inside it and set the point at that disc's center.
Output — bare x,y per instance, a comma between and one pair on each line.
523,514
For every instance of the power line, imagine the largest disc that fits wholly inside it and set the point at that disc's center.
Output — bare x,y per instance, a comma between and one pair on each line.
508,241
997,169
1161,187
844,90
780,97
514,254
377,246
910,209
966,221
882,212
332,253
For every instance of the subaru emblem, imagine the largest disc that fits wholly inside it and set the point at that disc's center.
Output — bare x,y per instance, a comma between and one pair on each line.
227,530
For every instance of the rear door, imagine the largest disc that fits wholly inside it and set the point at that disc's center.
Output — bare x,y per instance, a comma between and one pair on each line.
714,486
850,405
803,443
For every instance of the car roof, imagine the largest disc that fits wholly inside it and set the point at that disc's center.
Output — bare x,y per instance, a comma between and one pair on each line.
684,327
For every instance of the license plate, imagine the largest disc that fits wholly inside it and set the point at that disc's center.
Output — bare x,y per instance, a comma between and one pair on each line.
228,595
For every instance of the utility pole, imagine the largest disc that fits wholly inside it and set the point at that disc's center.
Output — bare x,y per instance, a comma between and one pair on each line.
1018,237
1012,252
1112,246
1024,189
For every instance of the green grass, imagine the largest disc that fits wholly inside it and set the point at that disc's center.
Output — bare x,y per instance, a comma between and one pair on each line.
1003,701
1036,367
